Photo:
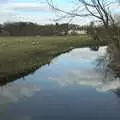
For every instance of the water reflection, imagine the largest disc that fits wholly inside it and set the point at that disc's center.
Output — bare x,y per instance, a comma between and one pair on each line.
87,73
13,92
88,78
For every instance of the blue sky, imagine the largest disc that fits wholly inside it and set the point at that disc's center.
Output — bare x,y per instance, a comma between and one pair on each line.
35,11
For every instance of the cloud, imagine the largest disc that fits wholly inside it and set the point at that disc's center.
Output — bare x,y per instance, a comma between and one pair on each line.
30,7
34,18
3,1
115,6
32,12
38,12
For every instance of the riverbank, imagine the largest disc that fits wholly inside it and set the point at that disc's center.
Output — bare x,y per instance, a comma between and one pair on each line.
20,56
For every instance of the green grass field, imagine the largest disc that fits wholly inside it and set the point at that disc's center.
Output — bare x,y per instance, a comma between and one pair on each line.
21,55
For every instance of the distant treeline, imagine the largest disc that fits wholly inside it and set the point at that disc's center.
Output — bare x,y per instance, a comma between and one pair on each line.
32,29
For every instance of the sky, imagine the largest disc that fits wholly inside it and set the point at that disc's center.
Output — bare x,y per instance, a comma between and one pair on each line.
37,11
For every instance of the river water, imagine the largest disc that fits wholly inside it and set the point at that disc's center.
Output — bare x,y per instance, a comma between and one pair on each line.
71,87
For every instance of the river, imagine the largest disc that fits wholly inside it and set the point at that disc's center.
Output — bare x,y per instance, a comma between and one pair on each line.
71,87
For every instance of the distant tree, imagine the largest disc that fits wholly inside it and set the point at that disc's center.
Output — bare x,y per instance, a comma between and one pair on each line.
32,29
4,33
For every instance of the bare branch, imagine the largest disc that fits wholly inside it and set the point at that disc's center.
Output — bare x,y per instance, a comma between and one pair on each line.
71,13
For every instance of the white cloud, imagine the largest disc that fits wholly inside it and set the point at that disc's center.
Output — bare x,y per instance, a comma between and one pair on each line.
30,7
25,12
34,18
115,6
6,14
35,12
3,1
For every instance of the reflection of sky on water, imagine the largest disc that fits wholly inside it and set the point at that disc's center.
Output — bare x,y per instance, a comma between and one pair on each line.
13,92
88,78
83,71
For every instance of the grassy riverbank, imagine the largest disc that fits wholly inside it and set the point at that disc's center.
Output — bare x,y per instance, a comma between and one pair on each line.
22,55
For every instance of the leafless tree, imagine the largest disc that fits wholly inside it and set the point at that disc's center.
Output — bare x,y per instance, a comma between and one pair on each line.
100,9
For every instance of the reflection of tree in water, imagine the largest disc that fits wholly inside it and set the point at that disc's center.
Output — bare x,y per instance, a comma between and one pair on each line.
109,74
94,48
103,65
117,92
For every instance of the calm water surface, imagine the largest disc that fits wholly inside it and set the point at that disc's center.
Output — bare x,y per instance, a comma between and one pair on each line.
70,88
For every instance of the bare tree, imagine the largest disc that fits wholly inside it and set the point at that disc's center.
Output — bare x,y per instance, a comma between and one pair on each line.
100,9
